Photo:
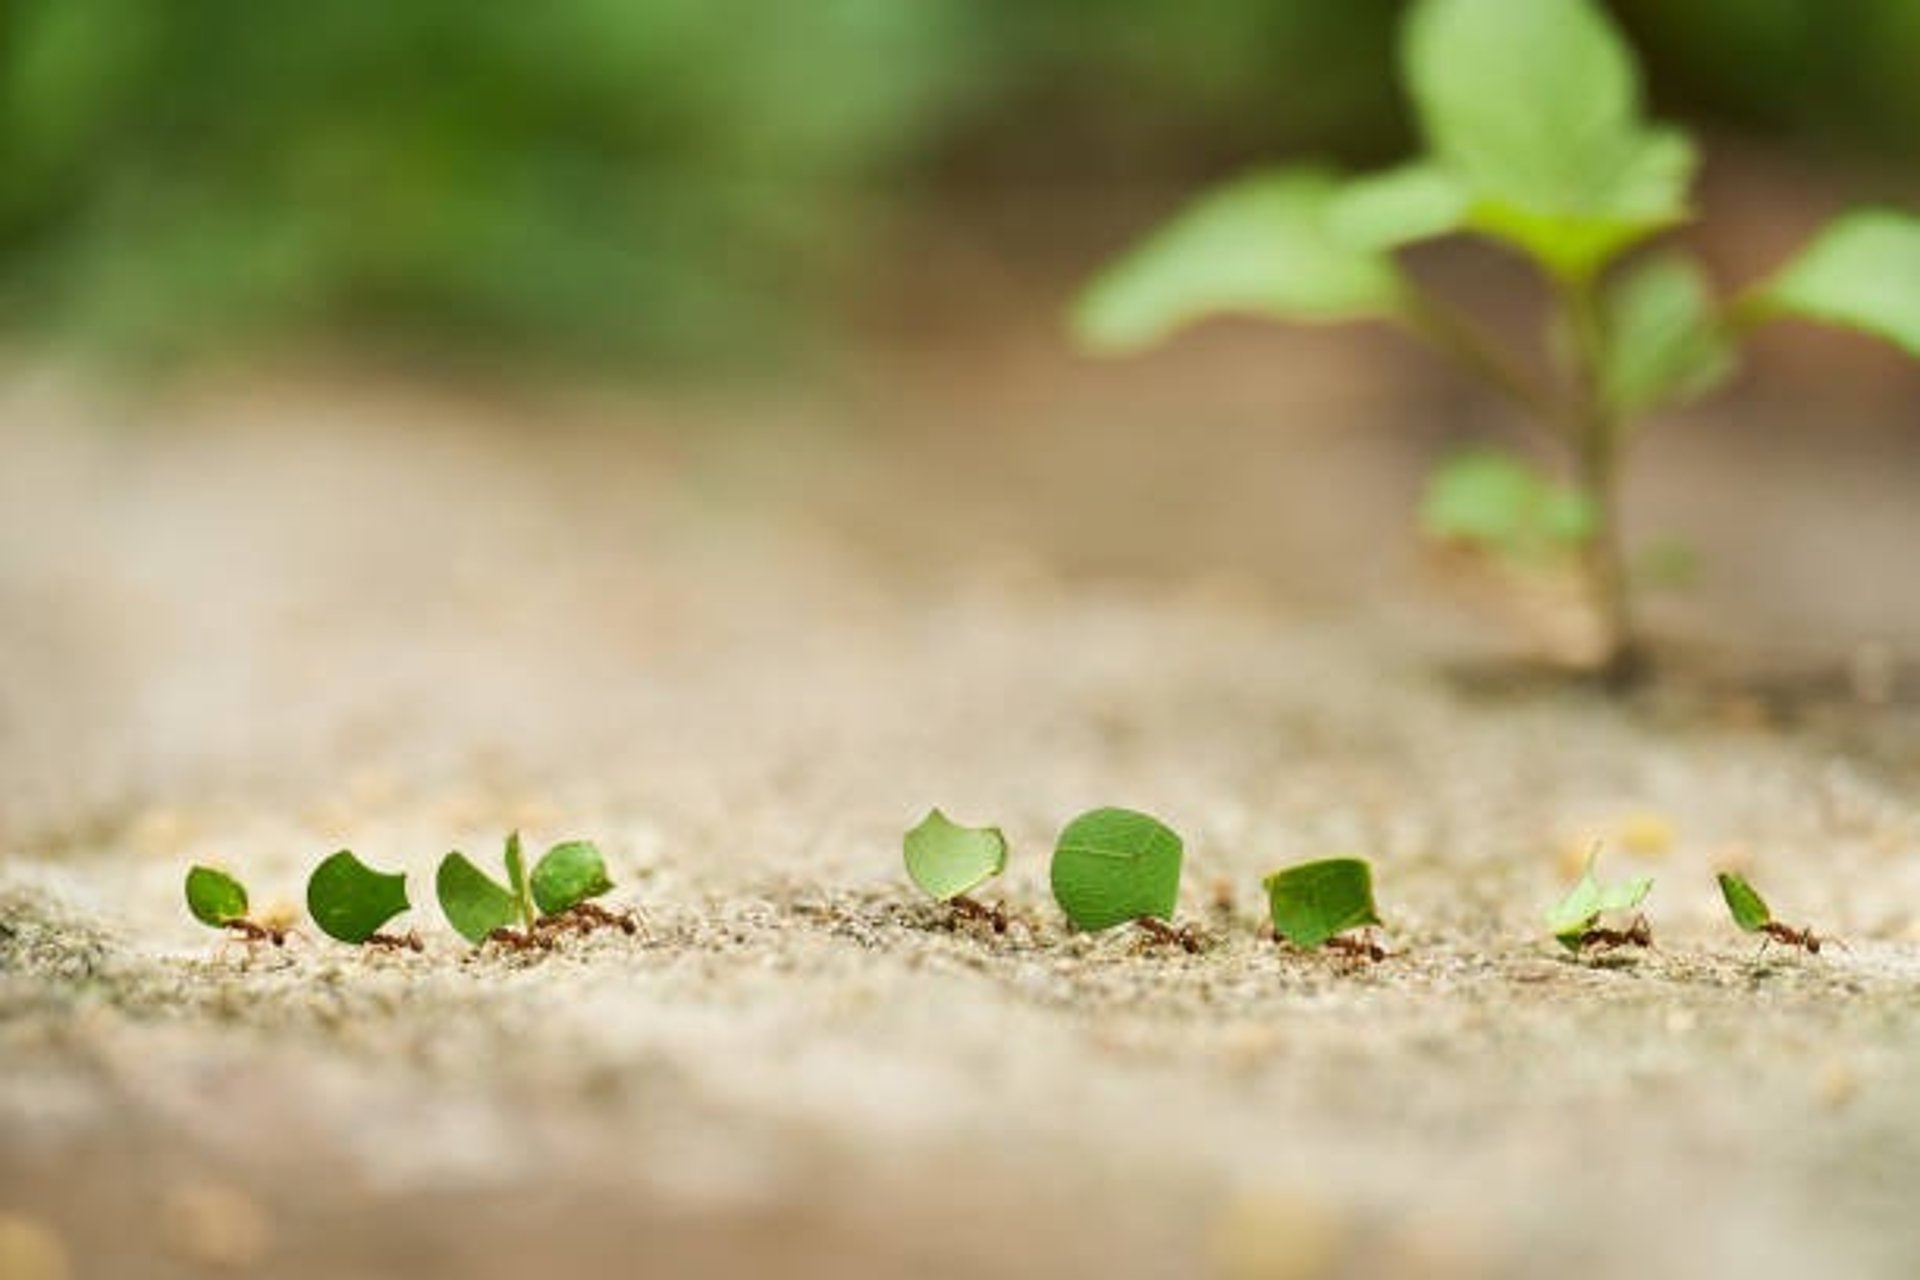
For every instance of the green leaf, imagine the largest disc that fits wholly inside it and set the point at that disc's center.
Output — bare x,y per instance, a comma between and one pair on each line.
947,860
1316,900
1589,899
1535,108
1494,502
474,904
1748,907
1862,272
1665,340
1112,866
215,897
1260,246
517,880
350,900
568,875
1385,211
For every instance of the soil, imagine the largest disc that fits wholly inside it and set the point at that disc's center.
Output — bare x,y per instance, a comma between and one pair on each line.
743,641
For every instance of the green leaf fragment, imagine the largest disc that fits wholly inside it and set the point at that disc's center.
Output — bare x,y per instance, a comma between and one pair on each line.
474,904
947,860
1666,342
1497,503
1862,272
1112,866
1589,899
1749,909
568,875
1399,207
214,897
517,879
1261,246
350,900
1314,901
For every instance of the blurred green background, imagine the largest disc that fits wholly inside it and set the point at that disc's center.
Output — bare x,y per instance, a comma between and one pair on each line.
648,181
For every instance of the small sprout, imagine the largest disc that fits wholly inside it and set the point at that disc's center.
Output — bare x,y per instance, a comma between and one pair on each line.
949,861
1315,902
554,898
1751,913
219,901
1115,866
1574,921
350,900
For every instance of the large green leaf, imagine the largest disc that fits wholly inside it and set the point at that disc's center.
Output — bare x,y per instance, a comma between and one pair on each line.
474,904
946,859
1862,272
567,875
1665,339
1316,900
214,897
350,900
1261,246
1114,865
1749,909
1535,108
1399,207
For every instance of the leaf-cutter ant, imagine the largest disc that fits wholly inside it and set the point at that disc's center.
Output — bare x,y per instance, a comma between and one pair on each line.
1787,935
408,941
965,908
1637,934
585,917
1362,947
1161,933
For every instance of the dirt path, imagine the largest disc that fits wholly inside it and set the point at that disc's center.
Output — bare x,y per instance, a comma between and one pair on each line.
264,626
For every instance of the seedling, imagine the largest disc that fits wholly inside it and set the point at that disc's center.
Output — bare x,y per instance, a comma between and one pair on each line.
218,900
1314,904
1116,866
1536,138
949,861
350,901
1751,913
554,899
1575,920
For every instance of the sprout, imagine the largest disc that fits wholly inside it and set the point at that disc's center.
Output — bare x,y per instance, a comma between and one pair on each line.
556,896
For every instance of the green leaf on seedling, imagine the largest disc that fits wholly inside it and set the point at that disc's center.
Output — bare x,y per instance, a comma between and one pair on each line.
214,897
1261,246
1535,108
1588,900
1316,900
568,875
517,879
474,904
1862,272
1748,907
1665,340
1497,503
1384,211
1112,866
350,900
946,859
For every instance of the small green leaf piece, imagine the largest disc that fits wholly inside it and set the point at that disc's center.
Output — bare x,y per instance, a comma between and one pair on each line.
517,880
1386,211
214,897
568,875
1748,907
1497,503
1589,899
1862,272
946,859
1112,866
1665,340
1261,246
1316,900
474,904
350,900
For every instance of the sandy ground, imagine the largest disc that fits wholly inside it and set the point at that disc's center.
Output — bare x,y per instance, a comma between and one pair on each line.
262,622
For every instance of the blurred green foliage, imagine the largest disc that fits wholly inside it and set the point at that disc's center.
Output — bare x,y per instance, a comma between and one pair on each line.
613,178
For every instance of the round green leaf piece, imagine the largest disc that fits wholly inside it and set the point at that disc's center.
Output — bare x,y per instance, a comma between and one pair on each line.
946,859
568,875
1112,866
214,897
474,904
350,900
1750,910
1314,901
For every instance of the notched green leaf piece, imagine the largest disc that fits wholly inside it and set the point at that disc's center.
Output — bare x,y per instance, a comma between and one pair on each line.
1314,901
215,898
1862,272
946,859
567,875
350,900
474,904
1749,909
1589,899
1112,866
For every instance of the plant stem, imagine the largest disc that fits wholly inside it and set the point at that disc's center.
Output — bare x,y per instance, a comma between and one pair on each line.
1453,336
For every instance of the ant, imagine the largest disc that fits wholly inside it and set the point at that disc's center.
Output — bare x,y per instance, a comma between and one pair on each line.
1360,948
1787,935
1637,934
1163,934
256,931
408,941
585,917
515,940
965,908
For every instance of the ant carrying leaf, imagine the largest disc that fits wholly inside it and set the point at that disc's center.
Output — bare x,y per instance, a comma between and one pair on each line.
949,861
1314,904
1575,919
219,901
350,901
1751,913
554,899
